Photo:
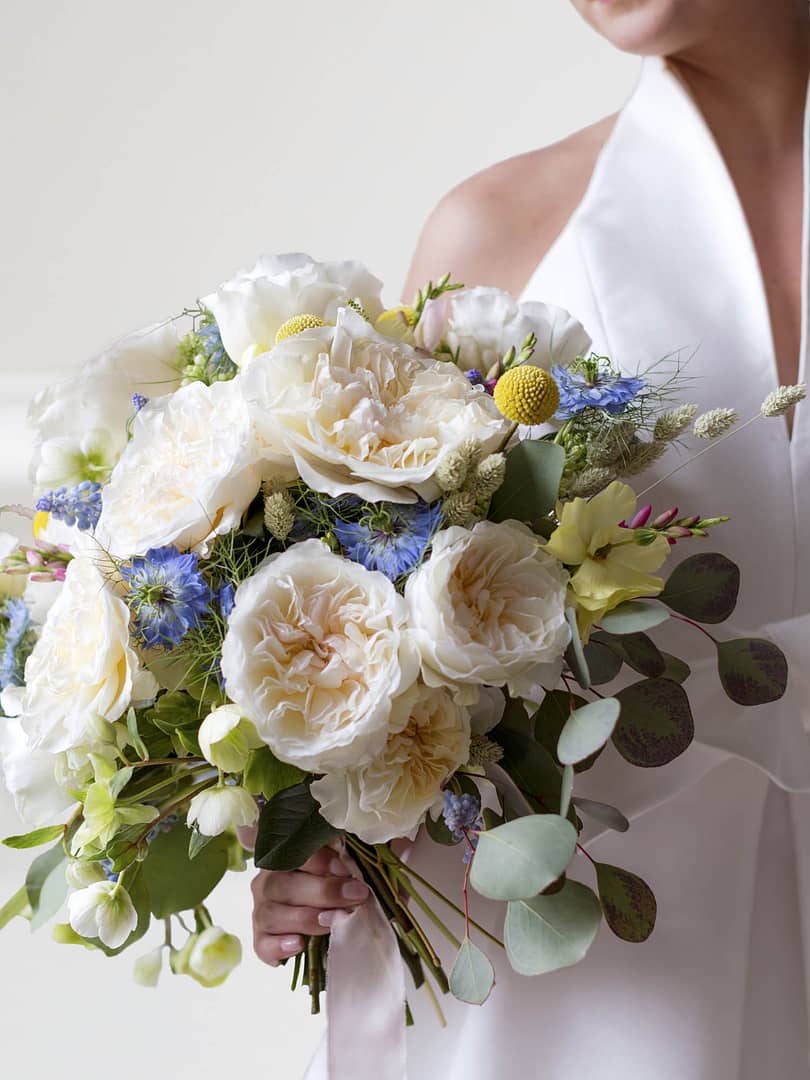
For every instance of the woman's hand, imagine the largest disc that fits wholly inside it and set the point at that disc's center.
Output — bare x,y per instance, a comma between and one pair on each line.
287,906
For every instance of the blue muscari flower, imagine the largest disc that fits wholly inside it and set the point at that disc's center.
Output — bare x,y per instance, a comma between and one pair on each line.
475,376
586,387
463,812
16,641
79,505
138,401
391,538
167,594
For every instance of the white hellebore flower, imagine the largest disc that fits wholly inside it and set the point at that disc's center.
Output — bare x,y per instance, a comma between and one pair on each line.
218,809
489,609
252,307
391,794
146,969
357,412
316,651
82,670
103,910
208,957
226,738
81,422
30,777
483,323
187,475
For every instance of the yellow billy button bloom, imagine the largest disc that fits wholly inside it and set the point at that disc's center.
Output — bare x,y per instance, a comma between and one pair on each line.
296,325
607,565
527,395
397,323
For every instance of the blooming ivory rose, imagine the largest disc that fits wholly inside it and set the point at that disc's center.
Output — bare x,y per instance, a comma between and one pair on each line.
252,307
488,608
359,413
481,324
81,422
82,672
188,474
390,795
316,651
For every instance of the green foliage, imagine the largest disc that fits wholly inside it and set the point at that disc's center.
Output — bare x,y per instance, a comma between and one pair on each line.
566,790
531,767
291,829
675,668
753,671
603,662
656,723
546,933
135,735
46,885
627,902
176,882
16,905
522,857
703,587
633,616
532,484
266,775
551,718
473,976
603,813
637,650
575,653
587,730
35,838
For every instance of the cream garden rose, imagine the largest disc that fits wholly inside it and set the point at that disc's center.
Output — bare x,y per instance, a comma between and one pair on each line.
479,325
390,795
252,307
316,650
357,412
488,608
188,475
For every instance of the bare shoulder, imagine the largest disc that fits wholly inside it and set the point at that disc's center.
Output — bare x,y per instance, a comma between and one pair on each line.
495,227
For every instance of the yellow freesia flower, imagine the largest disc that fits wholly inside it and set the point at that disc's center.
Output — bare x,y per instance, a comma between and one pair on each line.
610,566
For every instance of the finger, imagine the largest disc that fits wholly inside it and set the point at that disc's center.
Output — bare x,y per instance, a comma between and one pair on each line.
311,890
325,861
284,919
273,948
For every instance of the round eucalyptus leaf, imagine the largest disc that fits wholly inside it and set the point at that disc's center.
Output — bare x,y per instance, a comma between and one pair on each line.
632,616
603,813
574,654
587,730
676,668
753,671
637,650
473,976
627,901
603,663
566,790
655,725
703,587
522,857
531,484
551,717
546,933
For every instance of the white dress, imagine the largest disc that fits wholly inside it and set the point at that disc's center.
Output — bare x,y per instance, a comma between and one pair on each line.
658,259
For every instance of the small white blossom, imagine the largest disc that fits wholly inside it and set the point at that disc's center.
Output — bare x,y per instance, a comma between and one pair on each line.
218,809
105,911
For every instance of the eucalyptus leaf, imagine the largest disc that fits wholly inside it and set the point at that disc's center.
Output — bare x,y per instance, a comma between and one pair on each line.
637,650
566,790
753,671
266,775
531,767
655,725
587,730
473,976
14,906
604,664
703,587
531,486
35,838
676,668
550,719
575,654
628,903
633,616
519,859
546,933
603,813
291,829
176,882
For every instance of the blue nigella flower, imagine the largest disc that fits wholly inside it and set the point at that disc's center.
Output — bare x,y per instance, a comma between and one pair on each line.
167,594
16,641
391,538
219,364
80,505
587,386
225,599
107,866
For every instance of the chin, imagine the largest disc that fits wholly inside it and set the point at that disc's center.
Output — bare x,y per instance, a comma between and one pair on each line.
651,27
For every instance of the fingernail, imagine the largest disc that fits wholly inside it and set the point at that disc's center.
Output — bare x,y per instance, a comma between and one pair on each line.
290,944
327,918
338,868
354,890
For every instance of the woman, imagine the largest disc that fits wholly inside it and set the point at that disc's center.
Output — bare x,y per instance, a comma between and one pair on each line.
676,226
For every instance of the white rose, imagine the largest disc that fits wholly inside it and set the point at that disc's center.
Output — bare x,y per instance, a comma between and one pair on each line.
30,777
217,809
81,671
252,307
81,422
481,324
188,474
488,607
103,910
358,412
316,650
390,795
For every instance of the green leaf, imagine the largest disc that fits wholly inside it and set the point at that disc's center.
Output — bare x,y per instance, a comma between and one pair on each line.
587,730
515,716
637,650
52,895
266,775
566,790
175,882
17,905
575,653
291,829
676,668
438,832
546,933
522,857
632,616
473,976
551,718
196,842
175,710
530,766
603,813
135,735
120,781
39,871
35,838
531,486
753,671
603,663
627,901
703,587
655,725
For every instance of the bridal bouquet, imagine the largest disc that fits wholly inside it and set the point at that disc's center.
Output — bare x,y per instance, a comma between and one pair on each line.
348,572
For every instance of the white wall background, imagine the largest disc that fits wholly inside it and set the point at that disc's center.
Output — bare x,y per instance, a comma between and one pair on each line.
148,151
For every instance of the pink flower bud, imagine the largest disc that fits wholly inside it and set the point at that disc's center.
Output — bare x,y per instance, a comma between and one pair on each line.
33,558
665,519
641,517
690,521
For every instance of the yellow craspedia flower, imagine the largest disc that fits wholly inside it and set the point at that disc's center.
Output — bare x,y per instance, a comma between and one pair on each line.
296,325
397,323
527,395
39,523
